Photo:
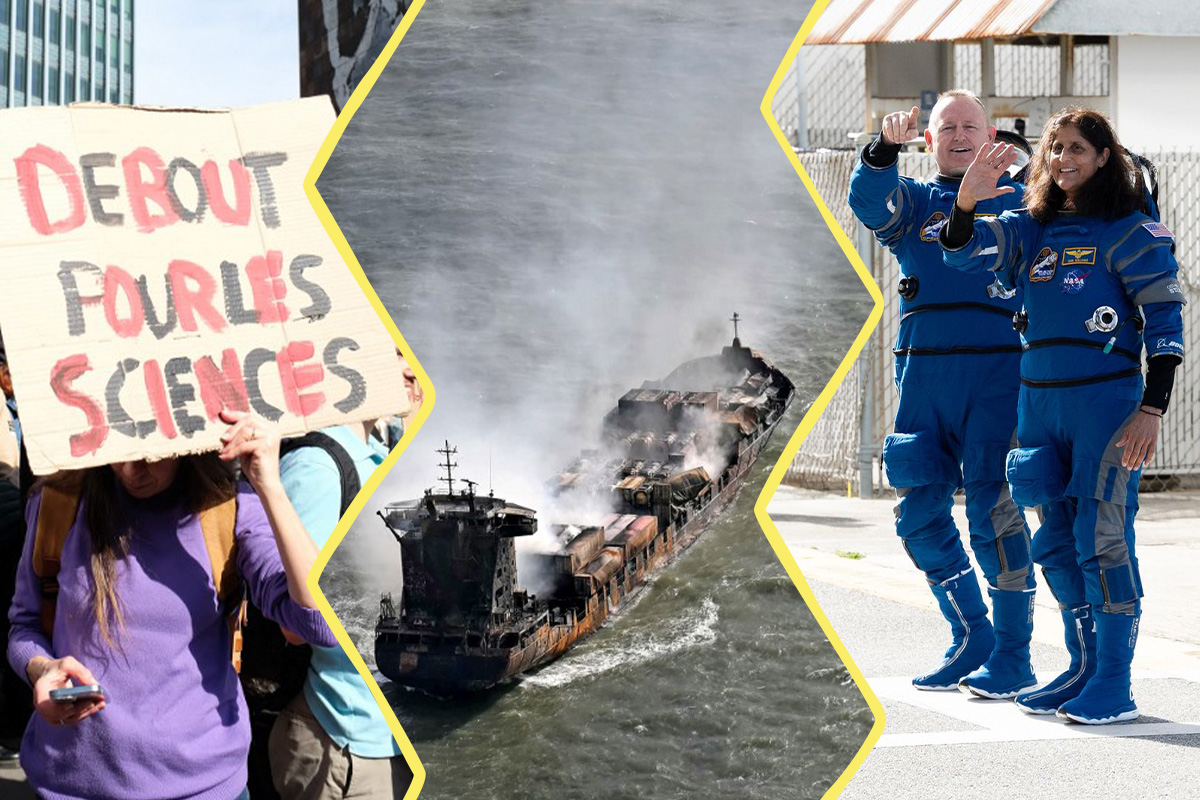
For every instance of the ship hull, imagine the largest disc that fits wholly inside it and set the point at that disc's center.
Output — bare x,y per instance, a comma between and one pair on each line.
447,667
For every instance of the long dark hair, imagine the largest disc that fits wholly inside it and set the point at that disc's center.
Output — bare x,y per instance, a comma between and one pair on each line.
1115,191
203,481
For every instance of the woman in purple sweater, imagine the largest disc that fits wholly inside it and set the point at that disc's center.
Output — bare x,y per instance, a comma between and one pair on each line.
138,614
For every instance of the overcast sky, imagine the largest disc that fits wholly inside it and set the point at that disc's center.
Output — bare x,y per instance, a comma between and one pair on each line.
216,52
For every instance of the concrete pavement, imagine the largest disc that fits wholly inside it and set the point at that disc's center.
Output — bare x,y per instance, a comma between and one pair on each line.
13,785
944,744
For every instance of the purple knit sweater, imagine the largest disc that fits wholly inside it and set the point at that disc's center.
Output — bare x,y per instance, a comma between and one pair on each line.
175,725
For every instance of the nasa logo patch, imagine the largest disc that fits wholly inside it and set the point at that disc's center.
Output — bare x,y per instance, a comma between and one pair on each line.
1073,281
1044,265
933,226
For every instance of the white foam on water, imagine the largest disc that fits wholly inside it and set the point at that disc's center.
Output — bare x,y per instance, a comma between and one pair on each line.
692,630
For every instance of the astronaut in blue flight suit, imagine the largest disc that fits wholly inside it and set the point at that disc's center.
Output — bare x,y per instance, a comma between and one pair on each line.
957,371
1100,284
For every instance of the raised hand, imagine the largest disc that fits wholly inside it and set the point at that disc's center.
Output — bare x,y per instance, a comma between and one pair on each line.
901,126
981,178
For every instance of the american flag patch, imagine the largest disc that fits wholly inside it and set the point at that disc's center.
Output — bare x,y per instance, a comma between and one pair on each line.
1158,230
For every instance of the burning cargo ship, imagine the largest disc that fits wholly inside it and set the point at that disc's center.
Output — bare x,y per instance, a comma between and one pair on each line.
675,453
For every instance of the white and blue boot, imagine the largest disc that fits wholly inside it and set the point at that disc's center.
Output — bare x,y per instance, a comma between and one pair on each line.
1007,670
1108,696
973,640
1080,634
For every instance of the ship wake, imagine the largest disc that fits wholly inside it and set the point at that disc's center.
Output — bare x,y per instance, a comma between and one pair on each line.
690,630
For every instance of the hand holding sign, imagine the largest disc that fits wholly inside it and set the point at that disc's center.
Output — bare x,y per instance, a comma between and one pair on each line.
255,443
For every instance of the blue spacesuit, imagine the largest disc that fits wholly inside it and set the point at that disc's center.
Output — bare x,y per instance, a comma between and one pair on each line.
957,371
1084,280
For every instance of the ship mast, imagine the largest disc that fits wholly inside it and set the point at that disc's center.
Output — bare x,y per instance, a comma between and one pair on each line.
448,451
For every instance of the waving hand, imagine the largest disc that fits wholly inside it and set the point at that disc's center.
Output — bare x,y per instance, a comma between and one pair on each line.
981,179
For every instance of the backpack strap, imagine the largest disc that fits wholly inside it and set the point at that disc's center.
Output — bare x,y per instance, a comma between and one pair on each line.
56,515
275,670
237,627
345,465
219,525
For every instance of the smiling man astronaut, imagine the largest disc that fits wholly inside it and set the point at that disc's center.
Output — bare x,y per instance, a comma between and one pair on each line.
957,370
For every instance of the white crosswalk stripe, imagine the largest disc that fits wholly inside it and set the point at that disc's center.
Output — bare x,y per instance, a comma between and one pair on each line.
1000,721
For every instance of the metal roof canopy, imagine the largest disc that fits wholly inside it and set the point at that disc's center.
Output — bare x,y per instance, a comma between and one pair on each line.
874,21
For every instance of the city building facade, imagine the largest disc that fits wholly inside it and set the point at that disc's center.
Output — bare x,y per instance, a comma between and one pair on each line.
54,52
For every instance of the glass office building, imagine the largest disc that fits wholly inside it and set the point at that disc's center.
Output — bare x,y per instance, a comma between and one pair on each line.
61,51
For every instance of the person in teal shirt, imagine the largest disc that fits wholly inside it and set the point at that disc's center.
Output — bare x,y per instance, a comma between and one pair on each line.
332,740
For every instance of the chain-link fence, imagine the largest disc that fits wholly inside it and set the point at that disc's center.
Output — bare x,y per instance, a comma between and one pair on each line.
835,96
829,455
831,460
1179,199
835,91
785,105
828,458
1091,70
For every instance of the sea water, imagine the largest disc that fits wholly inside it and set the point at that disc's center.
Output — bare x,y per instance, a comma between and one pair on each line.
557,201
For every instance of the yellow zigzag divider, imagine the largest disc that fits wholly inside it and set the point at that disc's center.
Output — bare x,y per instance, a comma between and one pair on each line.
368,489
818,407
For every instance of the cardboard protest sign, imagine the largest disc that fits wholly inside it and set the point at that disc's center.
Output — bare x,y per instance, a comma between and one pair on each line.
159,265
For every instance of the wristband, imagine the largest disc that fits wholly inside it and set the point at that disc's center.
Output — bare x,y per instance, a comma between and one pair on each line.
1160,378
959,230
880,154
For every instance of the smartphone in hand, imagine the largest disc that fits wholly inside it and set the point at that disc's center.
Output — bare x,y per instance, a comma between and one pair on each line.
90,691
